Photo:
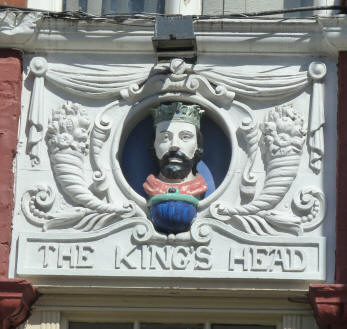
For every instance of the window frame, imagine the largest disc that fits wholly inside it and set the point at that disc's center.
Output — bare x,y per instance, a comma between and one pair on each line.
50,5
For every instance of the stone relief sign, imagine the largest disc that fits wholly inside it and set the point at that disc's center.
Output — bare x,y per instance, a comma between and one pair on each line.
84,218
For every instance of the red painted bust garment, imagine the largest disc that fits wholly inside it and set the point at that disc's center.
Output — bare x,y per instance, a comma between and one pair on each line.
196,186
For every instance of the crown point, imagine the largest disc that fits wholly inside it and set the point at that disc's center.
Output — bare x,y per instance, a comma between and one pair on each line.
177,111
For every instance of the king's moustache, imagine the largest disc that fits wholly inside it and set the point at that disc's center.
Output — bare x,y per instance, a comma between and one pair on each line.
168,156
173,169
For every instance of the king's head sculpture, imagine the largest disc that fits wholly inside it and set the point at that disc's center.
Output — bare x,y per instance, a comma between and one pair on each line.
175,192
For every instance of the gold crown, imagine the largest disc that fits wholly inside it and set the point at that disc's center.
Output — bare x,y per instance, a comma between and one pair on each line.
177,111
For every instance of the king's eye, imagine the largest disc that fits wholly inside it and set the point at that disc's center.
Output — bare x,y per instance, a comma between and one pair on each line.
186,136
165,136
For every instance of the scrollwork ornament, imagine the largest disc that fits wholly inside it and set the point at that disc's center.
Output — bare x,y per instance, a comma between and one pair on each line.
283,138
143,232
68,145
310,206
193,83
249,180
99,135
38,66
317,70
201,232
36,202
178,66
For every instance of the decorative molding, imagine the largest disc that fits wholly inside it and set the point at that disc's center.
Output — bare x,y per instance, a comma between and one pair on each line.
329,302
34,31
37,112
283,138
258,211
281,144
67,139
292,322
44,320
16,299
180,78
317,72
251,136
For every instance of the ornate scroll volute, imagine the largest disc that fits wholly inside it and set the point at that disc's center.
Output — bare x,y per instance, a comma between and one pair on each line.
317,71
37,111
178,76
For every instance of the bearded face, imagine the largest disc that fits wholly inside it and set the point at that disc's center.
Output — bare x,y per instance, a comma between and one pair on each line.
176,147
175,165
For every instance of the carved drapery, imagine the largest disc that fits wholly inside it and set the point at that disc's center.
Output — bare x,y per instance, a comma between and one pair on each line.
94,83
97,82
91,199
68,142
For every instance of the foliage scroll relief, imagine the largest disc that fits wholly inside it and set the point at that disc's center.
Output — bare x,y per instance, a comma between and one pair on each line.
84,147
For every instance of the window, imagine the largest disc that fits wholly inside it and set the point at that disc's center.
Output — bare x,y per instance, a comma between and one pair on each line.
227,7
106,7
205,7
82,325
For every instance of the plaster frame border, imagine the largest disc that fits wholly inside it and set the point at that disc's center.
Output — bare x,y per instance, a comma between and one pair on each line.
141,110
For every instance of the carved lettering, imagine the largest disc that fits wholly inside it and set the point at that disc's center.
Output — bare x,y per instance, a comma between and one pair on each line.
203,257
124,259
267,259
67,256
155,257
235,257
259,259
160,255
180,258
83,256
46,250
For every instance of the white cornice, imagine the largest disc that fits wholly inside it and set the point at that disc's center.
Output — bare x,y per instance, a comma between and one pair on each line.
37,32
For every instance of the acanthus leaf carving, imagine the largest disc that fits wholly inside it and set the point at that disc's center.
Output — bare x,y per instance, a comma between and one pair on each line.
67,139
283,139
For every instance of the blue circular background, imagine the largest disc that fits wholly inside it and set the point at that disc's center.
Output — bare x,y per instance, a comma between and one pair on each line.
137,161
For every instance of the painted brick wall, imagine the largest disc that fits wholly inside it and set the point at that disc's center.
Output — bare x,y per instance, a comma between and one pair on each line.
341,184
15,3
10,93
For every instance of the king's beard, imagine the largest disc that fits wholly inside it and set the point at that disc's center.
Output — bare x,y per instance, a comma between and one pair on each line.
175,165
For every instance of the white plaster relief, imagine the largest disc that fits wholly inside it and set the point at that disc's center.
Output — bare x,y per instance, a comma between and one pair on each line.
317,72
100,207
283,138
251,135
83,81
68,134
229,254
67,139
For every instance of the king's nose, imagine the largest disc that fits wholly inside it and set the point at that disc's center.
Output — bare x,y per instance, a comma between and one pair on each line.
174,148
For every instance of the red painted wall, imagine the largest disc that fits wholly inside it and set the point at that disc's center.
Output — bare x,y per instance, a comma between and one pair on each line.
341,183
10,93
329,301
16,296
15,3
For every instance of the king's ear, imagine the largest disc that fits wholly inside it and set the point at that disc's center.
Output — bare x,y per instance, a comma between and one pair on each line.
199,153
